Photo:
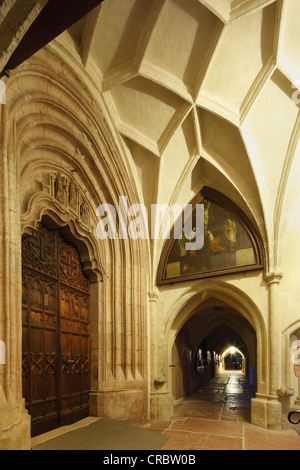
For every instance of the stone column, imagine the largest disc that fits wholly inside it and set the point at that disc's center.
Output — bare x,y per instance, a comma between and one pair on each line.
161,400
274,407
14,419
266,407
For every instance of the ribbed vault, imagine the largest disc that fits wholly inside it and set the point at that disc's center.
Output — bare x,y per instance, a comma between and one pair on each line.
221,326
200,91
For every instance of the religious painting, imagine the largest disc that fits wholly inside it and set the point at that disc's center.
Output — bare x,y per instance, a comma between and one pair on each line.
228,244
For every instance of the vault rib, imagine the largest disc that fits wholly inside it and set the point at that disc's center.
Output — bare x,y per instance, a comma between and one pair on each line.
148,31
173,125
90,27
256,88
245,7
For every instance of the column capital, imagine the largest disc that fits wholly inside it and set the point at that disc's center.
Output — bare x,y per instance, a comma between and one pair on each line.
153,295
273,277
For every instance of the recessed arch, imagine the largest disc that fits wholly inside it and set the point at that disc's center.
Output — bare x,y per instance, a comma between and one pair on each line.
242,325
232,350
62,177
238,331
236,353
190,300
228,242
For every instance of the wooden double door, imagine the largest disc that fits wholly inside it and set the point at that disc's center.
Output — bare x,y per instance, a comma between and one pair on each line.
55,326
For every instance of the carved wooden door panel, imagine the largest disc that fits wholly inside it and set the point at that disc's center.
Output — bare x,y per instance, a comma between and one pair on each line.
55,321
74,334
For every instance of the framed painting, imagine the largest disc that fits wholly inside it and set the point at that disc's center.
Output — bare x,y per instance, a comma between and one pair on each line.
230,243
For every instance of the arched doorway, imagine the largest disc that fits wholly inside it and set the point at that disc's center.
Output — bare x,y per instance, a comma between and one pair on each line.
55,331
211,341
233,359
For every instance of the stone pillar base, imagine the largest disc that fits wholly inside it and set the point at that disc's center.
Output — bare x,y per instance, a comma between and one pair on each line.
123,405
161,405
285,395
15,432
266,412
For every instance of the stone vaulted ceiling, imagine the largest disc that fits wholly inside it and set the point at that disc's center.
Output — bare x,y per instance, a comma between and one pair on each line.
201,92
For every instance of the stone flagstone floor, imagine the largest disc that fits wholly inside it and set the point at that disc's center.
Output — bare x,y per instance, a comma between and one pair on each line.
217,417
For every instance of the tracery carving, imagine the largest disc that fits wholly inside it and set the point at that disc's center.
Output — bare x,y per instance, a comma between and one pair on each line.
38,252
67,192
73,194
69,263
50,364
84,211
61,188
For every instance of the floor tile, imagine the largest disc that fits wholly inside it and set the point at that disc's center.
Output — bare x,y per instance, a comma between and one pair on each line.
217,417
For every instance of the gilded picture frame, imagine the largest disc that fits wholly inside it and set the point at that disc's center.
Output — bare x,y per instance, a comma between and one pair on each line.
231,244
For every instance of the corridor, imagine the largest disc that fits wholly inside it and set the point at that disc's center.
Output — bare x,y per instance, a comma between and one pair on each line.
217,417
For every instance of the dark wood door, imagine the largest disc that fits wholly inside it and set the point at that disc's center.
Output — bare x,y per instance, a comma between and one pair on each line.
55,346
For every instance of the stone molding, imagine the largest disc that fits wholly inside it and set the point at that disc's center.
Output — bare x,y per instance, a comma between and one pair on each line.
60,161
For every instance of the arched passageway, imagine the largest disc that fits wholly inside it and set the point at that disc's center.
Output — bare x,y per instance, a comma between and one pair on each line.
214,357
233,359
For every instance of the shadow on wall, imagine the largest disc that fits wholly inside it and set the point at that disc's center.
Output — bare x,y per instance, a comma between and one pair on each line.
190,372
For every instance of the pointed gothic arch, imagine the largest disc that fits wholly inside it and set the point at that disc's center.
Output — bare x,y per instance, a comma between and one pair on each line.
231,243
65,161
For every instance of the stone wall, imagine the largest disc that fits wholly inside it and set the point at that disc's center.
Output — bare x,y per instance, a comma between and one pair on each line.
59,162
